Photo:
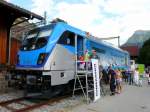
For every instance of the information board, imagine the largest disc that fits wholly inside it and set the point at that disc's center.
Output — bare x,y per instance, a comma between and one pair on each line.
96,81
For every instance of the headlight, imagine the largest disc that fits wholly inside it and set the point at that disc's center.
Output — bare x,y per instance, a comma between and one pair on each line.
41,58
31,79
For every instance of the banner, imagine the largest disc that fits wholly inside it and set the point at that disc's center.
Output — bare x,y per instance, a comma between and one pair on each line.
96,80
141,69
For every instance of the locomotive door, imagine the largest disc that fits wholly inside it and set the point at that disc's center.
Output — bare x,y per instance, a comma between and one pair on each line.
80,46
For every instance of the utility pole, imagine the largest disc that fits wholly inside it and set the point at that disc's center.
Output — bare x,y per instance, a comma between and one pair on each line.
45,18
118,41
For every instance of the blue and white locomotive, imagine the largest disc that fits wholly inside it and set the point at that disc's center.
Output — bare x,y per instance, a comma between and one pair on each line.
47,56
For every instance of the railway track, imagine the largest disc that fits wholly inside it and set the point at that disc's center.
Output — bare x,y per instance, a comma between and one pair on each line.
19,105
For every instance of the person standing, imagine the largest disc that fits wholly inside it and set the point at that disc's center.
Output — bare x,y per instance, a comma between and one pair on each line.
101,76
118,81
136,77
127,75
81,63
94,54
87,56
100,71
148,77
87,60
140,80
105,76
131,78
112,80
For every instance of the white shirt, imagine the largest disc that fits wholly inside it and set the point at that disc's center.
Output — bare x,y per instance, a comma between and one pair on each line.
136,74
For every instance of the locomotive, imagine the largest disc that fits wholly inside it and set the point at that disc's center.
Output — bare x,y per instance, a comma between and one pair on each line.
46,57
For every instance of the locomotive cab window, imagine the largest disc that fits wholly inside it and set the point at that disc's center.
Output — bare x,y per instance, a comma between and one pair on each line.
42,38
67,38
36,39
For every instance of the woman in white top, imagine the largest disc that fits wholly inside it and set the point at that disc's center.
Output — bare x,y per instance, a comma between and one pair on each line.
136,76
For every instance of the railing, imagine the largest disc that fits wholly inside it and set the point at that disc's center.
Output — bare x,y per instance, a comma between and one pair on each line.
84,65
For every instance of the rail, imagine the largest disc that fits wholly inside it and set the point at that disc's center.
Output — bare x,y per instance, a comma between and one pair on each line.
30,107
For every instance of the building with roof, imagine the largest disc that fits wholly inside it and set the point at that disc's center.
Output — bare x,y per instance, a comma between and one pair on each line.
135,42
133,51
9,14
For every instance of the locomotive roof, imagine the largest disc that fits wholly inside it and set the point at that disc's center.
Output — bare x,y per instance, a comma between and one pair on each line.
84,34
96,39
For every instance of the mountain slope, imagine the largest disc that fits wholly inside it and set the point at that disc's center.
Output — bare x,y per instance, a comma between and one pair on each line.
138,38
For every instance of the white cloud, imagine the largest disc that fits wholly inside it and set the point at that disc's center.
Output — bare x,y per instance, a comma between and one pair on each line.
80,15
40,6
134,15
127,6
7,0
103,18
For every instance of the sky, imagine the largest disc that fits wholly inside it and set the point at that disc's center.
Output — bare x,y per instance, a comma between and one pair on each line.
102,18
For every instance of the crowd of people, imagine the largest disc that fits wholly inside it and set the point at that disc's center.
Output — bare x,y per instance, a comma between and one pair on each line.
133,77
113,75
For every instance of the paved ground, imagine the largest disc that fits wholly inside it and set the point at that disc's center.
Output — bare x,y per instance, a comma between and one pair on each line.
132,99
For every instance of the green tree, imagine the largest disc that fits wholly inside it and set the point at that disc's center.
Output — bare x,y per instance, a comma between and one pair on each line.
144,54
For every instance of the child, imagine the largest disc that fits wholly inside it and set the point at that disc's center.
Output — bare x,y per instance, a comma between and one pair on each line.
148,78
118,81
82,63
140,80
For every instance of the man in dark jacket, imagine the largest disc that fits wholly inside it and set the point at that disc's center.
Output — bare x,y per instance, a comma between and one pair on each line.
112,80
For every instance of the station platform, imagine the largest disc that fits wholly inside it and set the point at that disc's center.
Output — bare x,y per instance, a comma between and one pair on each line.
132,99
